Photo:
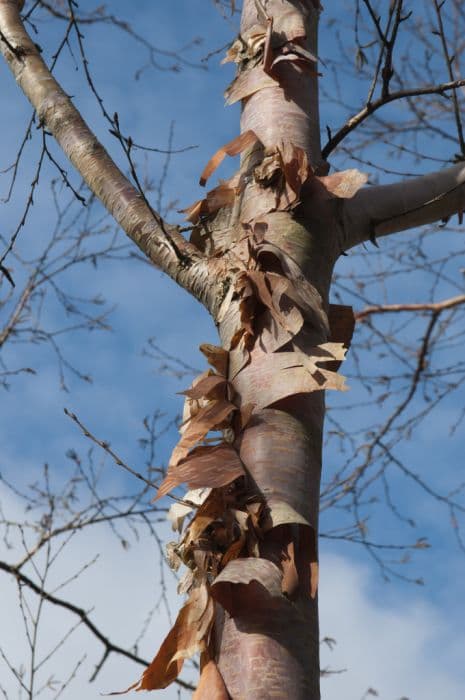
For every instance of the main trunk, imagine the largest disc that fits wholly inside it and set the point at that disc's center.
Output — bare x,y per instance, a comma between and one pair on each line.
268,647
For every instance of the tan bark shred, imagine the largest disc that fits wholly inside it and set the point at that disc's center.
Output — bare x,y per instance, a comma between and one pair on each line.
210,417
344,184
221,196
242,583
275,376
247,46
270,289
189,635
289,26
217,357
247,83
178,511
281,513
212,509
213,386
209,466
234,549
281,174
232,148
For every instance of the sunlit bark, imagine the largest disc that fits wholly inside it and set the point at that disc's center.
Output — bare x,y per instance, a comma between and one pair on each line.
379,211
271,649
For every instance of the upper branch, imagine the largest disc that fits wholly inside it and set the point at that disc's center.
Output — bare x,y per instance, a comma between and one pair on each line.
386,98
379,211
162,244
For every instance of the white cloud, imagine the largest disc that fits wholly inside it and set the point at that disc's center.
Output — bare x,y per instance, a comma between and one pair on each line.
407,649
119,589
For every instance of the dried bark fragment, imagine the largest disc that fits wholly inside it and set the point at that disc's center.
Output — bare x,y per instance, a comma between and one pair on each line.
301,291
272,377
281,174
221,196
209,466
212,509
281,513
247,46
247,83
234,550
344,184
216,356
232,148
189,635
178,511
210,417
211,386
270,289
289,26
296,551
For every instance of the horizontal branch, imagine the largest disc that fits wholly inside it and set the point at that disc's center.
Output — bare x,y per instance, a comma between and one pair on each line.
82,614
381,210
162,244
435,307
372,107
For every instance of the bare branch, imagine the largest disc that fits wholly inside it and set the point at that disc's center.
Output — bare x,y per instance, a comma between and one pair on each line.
395,308
162,244
83,616
379,211
371,107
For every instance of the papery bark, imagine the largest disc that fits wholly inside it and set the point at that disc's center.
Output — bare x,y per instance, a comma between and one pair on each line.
268,646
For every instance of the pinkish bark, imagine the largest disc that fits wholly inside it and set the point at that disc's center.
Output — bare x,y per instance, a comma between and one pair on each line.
268,647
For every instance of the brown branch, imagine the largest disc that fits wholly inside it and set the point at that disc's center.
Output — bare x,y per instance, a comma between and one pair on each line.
449,62
436,307
83,616
372,107
106,447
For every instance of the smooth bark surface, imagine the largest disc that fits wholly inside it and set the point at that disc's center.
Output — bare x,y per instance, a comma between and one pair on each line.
379,211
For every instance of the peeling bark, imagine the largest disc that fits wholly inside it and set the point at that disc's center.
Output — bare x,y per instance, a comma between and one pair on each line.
270,646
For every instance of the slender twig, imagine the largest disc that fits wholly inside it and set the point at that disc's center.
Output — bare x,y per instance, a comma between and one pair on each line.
393,308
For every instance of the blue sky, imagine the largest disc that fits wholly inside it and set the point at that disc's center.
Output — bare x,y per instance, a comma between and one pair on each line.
407,638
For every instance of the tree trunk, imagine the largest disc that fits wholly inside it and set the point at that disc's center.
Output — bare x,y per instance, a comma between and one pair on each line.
268,647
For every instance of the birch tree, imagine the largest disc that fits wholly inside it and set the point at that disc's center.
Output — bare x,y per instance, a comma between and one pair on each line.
260,258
